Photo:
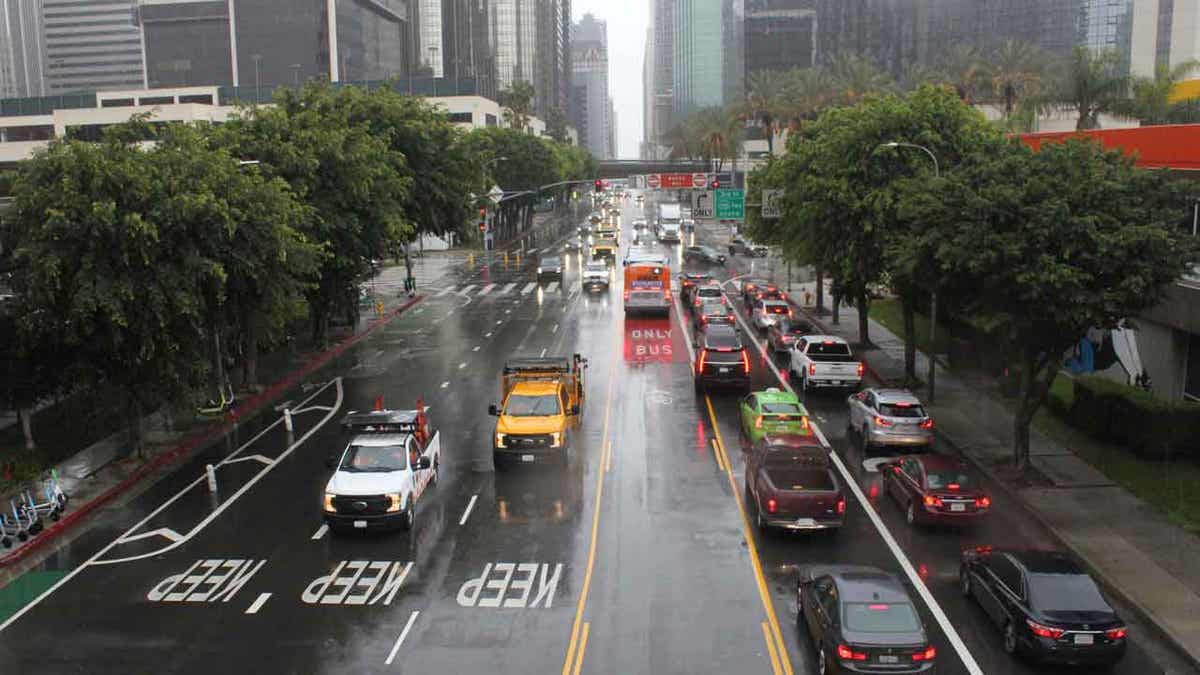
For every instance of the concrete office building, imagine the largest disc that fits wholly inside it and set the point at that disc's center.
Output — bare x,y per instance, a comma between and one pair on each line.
22,52
91,46
252,43
590,110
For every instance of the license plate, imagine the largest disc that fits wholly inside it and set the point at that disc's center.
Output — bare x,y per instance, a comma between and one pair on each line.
958,507
888,658
1083,639
723,370
360,524
835,382
805,522
526,458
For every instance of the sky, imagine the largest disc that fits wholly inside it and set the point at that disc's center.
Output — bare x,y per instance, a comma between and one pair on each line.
627,23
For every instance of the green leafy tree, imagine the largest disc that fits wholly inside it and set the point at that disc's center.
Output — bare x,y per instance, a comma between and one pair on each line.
962,67
556,125
517,102
1151,101
1090,83
1016,69
1052,244
529,163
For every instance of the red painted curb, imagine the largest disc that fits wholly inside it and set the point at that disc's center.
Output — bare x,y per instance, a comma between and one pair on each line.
198,440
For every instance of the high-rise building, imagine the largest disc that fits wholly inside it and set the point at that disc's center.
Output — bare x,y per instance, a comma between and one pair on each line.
590,110
702,76
433,32
271,42
22,58
659,75
780,34
91,45
466,44
532,42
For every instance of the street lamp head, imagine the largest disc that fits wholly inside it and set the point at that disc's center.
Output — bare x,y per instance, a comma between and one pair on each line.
891,144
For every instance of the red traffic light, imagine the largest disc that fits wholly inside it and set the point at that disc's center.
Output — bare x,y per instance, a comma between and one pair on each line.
599,187
714,184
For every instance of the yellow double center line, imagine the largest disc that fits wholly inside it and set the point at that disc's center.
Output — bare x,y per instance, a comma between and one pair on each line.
579,631
776,648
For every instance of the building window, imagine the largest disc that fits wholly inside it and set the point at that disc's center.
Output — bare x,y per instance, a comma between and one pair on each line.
462,118
489,119
39,132
116,103
196,98
156,100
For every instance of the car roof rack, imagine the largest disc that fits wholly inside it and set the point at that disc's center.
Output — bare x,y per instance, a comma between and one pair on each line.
381,421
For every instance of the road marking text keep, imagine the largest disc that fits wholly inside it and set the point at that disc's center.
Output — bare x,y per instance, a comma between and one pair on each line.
358,582
207,580
510,584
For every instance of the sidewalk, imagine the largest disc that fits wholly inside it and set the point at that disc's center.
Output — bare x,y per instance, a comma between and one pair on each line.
1138,555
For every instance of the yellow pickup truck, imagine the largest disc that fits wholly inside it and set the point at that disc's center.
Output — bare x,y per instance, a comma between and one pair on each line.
604,248
541,402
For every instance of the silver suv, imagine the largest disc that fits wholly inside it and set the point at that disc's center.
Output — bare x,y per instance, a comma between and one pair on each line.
890,417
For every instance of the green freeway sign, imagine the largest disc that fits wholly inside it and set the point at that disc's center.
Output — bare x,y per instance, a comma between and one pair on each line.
730,205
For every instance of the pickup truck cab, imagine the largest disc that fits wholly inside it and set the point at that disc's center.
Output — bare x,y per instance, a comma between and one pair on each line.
792,486
541,400
383,471
604,248
595,276
824,361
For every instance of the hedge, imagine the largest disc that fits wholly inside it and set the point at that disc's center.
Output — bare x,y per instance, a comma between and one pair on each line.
1150,426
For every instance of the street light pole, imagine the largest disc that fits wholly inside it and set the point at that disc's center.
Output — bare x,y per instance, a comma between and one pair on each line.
257,60
933,292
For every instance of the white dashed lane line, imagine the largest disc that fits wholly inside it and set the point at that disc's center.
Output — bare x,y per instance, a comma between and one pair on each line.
467,513
320,531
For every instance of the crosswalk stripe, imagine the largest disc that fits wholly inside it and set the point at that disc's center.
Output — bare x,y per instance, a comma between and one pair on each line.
507,289
532,251
487,289
528,288
552,287
467,290
446,291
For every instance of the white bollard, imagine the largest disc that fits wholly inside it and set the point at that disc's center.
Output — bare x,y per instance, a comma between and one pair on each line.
212,477
287,419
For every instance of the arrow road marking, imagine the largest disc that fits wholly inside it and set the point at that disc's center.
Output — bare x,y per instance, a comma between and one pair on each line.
164,532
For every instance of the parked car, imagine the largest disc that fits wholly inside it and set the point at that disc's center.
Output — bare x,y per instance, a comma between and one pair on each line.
935,489
746,247
890,418
766,313
704,255
783,333
791,485
1047,608
861,620
773,412
824,361
721,358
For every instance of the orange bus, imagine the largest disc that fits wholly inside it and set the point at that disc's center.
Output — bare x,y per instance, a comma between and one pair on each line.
647,288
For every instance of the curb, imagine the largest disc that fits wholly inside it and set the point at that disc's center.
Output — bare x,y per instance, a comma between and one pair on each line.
202,438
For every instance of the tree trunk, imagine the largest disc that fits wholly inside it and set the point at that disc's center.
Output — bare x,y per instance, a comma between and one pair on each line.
1024,414
837,310
864,330
410,281
250,365
25,413
820,291
910,340
136,437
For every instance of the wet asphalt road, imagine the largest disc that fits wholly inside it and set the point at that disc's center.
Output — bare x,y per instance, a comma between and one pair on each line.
632,558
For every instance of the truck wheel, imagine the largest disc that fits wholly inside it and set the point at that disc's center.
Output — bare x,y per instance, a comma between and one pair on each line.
407,520
437,463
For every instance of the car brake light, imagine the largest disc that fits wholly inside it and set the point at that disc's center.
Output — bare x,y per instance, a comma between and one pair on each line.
860,368
953,486
841,505
787,338
927,655
804,423
626,295
703,356
1116,633
927,423
880,422
879,608
983,502
931,500
745,362
758,422
812,369
772,505
696,303
791,313
847,654
704,318
828,342
1044,631
667,294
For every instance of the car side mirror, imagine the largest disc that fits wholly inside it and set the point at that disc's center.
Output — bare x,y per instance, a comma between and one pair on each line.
575,409
422,463
493,411
331,462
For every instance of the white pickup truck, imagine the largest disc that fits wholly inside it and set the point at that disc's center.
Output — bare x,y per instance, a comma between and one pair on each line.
824,361
379,477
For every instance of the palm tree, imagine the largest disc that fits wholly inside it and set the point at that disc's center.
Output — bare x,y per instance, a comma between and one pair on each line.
962,66
1151,102
807,92
855,76
1091,83
762,104
717,133
1016,68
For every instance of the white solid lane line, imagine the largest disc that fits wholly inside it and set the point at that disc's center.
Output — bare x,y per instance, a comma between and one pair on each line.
258,603
475,348
462,365
445,384
555,329
543,351
321,531
467,513
934,608
400,640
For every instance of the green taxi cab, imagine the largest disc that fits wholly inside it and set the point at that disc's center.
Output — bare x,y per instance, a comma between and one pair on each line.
773,412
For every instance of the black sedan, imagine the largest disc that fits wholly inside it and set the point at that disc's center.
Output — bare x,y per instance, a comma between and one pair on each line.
861,620
782,334
746,247
703,254
1047,608
712,310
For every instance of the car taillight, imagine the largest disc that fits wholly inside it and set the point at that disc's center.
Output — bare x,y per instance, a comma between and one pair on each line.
927,423
804,423
696,303
860,368
703,356
704,318
787,338
772,505
1116,633
930,500
1044,631
841,505
667,294
791,313
847,654
983,503
812,369
626,295
758,422
880,422
745,362
927,655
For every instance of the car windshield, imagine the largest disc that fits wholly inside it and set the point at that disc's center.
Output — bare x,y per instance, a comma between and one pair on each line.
1066,593
944,478
549,262
532,406
711,307
901,410
597,267
708,292
881,617
781,408
374,458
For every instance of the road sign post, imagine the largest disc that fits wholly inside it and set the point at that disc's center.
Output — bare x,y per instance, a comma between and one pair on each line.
730,204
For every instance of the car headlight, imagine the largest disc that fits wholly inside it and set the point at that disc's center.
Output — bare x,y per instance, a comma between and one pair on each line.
556,439
329,503
500,438
539,270
395,505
